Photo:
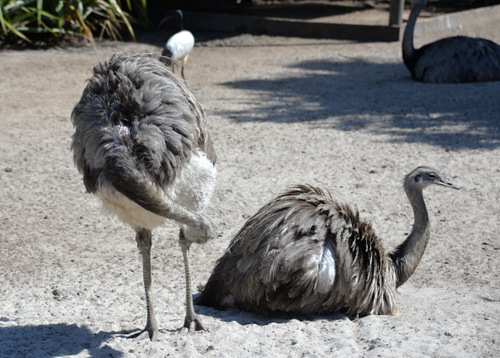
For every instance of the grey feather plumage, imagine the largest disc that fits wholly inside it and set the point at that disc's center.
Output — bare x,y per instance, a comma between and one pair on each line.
450,60
305,252
136,111
279,253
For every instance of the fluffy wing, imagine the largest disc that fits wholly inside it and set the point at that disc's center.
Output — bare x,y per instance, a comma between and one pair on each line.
134,109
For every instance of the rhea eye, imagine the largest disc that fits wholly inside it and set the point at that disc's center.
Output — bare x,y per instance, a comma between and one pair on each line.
432,175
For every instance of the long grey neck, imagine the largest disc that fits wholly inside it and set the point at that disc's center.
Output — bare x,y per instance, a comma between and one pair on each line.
408,49
406,256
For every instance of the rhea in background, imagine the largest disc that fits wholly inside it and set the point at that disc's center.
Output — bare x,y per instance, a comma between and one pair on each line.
179,45
142,146
452,59
306,253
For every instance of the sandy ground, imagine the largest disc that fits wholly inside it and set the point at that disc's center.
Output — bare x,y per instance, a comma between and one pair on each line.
342,115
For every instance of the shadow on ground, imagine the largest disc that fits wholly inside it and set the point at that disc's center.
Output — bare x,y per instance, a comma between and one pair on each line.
54,340
245,318
381,97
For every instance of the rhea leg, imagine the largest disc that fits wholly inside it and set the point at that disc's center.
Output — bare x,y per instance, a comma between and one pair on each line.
143,239
191,321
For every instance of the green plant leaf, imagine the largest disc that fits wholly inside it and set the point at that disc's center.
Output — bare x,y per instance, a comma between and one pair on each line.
17,32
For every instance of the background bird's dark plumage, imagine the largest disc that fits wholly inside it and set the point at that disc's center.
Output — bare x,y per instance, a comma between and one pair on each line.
452,59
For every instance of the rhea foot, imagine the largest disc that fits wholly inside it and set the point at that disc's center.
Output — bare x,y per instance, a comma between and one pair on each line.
148,332
193,325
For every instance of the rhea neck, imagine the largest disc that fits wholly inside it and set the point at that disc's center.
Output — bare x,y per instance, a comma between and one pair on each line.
406,256
408,49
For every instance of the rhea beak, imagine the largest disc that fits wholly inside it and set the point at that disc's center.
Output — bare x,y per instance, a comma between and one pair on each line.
446,183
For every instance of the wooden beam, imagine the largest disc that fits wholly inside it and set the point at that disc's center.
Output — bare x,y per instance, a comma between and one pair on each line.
396,13
287,27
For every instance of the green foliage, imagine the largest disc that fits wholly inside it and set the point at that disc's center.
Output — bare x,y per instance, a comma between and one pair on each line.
58,19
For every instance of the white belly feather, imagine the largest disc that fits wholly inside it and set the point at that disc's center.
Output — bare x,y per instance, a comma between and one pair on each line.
191,189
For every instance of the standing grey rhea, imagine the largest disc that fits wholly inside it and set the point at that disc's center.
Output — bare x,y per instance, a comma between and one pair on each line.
306,253
452,59
142,145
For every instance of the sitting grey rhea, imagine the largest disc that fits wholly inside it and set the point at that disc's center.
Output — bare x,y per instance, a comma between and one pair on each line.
142,146
305,253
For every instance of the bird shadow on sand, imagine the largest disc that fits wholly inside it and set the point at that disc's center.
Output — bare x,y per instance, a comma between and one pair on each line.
379,97
246,318
54,340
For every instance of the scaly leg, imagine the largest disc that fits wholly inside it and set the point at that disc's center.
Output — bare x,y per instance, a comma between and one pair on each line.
143,239
191,322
